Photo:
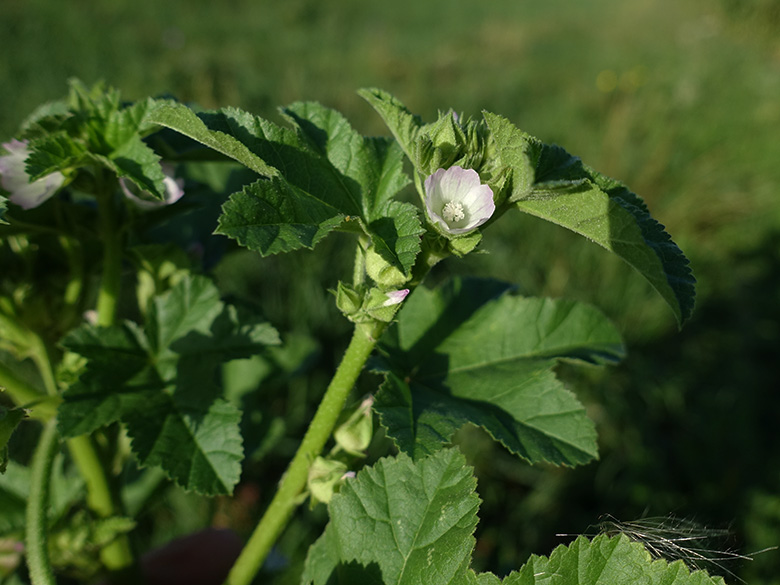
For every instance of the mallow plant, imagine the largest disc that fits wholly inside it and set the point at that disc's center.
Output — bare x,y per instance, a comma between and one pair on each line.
113,342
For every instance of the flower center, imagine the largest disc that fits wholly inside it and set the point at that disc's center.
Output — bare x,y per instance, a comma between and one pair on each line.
453,211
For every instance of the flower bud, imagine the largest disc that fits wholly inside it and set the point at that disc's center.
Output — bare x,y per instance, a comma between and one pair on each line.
382,272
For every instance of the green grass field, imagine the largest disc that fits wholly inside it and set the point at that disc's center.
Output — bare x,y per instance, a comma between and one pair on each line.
678,99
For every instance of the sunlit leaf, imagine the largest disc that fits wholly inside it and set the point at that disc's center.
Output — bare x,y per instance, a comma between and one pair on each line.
418,516
471,352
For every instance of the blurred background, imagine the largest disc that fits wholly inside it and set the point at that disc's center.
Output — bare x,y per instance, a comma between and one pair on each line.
680,99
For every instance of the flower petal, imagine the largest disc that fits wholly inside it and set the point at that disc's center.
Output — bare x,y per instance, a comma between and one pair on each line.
145,200
395,297
456,200
15,180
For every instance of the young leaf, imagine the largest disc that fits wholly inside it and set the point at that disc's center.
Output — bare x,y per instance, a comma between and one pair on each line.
469,352
419,518
54,152
182,119
321,174
161,383
329,173
273,216
551,184
606,560
404,125
373,167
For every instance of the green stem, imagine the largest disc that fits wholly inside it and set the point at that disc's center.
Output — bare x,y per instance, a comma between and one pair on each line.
286,499
37,524
110,284
102,497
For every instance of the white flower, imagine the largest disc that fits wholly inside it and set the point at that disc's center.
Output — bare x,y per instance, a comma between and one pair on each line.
395,297
15,180
174,189
456,200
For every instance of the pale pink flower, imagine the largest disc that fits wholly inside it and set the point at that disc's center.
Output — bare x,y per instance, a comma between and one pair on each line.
395,297
174,189
456,200
15,180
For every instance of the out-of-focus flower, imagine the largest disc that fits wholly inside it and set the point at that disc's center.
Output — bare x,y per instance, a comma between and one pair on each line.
15,180
394,297
456,200
174,189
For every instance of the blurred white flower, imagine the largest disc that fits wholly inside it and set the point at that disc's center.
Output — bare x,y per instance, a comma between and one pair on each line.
174,189
15,180
456,200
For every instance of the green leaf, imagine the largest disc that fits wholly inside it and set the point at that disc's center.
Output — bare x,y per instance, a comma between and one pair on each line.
3,209
9,420
551,184
136,162
118,368
396,235
324,174
419,518
470,352
161,382
198,444
182,119
372,168
99,131
606,560
321,174
271,217
404,125
54,152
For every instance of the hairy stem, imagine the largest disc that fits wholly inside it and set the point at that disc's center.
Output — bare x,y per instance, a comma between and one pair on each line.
102,496
286,499
110,284
37,525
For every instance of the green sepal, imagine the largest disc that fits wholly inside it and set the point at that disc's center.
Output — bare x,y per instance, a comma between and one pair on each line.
463,244
324,477
382,272
354,435
348,300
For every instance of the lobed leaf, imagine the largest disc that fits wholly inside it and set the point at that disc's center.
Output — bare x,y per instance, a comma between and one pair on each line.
470,352
322,173
551,184
274,216
404,125
182,119
162,383
606,560
419,518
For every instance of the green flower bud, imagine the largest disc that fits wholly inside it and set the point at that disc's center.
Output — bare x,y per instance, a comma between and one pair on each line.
383,305
348,300
354,436
324,477
382,272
